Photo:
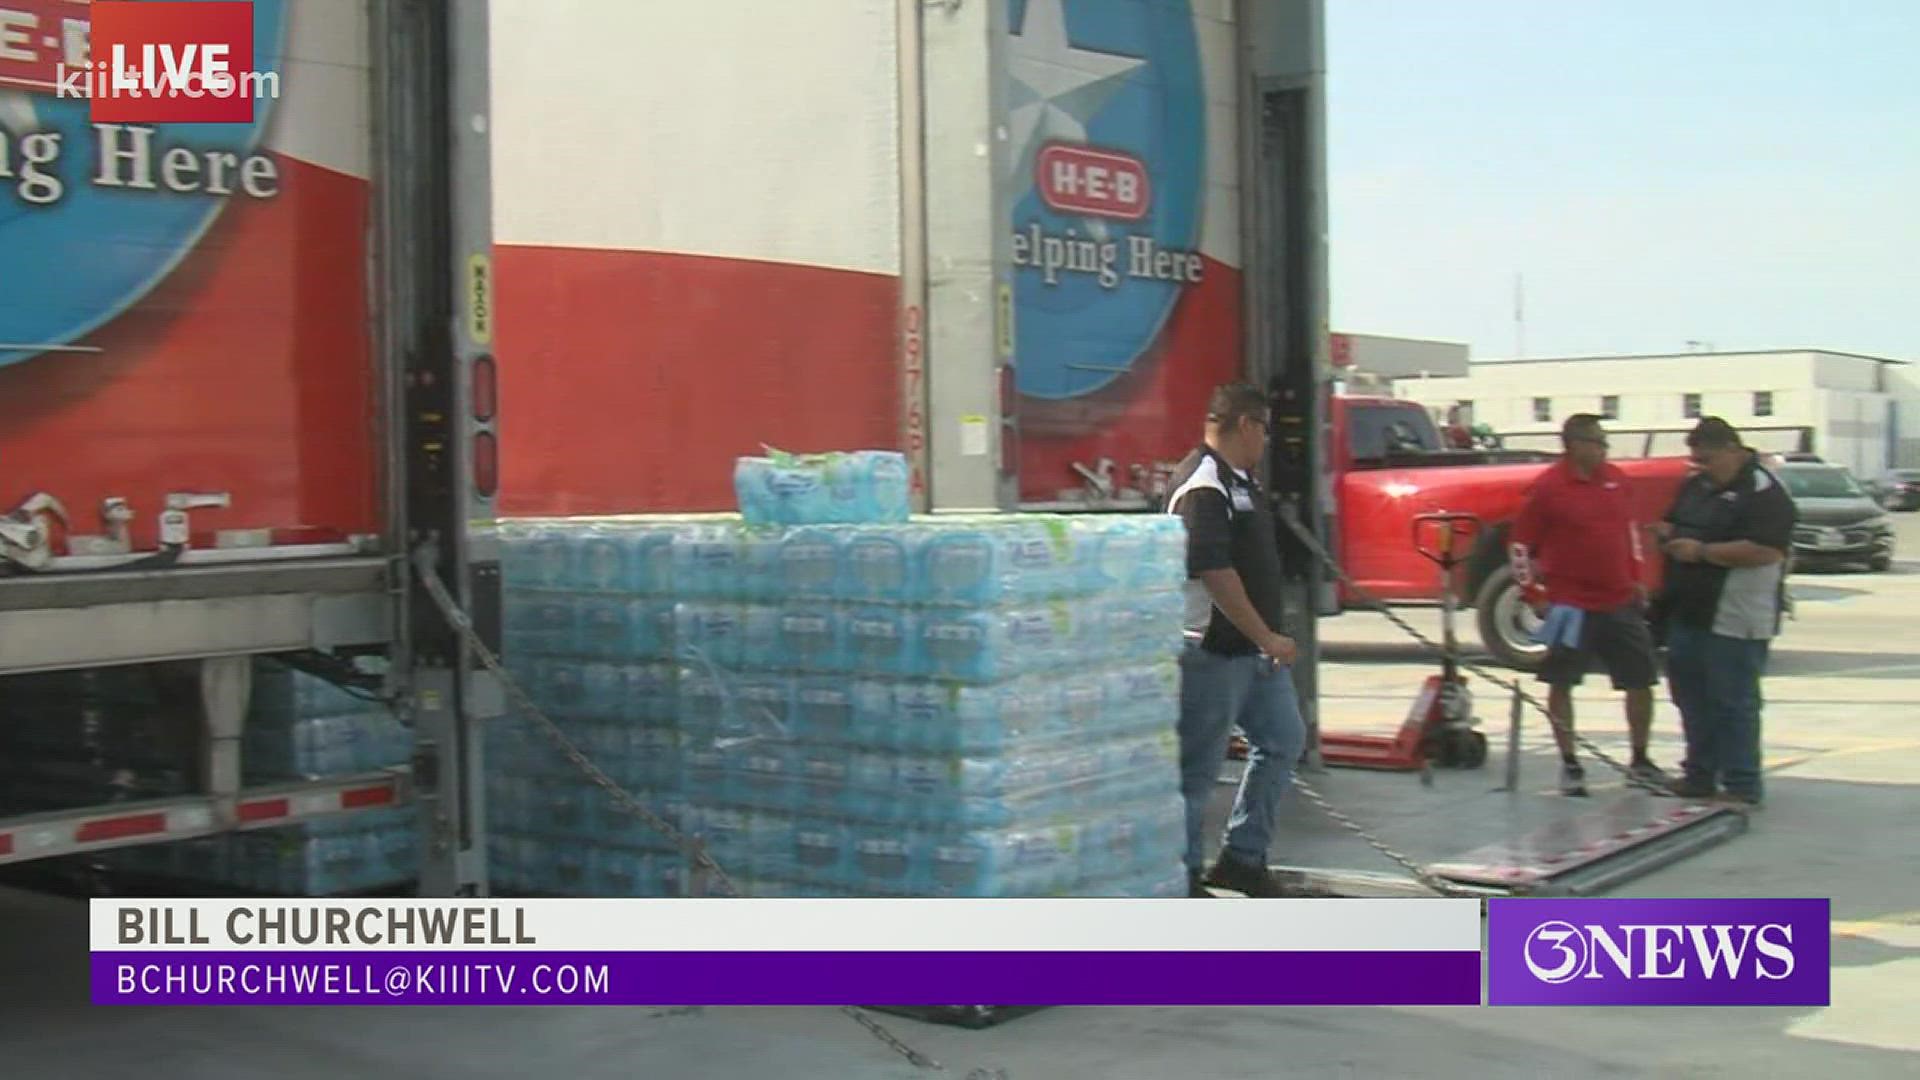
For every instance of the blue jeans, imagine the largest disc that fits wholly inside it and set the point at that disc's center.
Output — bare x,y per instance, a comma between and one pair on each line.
1715,681
1217,692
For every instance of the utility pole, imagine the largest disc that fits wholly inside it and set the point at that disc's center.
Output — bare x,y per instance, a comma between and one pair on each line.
1519,316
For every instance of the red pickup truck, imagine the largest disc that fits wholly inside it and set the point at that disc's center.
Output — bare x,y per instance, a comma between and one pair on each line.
1390,464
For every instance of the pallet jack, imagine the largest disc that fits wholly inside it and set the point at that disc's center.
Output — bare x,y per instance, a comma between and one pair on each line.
1440,727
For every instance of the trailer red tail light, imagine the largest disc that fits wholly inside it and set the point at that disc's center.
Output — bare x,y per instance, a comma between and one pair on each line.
486,395
486,464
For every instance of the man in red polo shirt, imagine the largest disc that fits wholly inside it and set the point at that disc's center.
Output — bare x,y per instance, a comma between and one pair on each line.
1576,537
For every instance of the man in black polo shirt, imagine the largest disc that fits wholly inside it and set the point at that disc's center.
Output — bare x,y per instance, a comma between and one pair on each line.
1726,538
1236,666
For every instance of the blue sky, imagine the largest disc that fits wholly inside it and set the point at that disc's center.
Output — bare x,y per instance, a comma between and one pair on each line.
1740,172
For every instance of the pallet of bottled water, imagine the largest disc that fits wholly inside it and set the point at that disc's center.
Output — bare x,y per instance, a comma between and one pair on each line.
587,632
1061,784
861,486
956,705
302,727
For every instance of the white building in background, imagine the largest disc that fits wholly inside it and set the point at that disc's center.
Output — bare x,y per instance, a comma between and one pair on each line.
1372,363
1859,411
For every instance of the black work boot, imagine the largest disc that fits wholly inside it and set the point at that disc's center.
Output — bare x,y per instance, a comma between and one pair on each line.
1692,787
1232,874
1197,886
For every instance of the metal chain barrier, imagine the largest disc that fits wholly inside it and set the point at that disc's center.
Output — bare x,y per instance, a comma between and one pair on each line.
1425,876
693,849
1512,685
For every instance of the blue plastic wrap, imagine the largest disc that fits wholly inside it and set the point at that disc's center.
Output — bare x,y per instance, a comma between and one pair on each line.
971,706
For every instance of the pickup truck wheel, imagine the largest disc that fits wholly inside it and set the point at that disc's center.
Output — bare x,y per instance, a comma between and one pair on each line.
1507,623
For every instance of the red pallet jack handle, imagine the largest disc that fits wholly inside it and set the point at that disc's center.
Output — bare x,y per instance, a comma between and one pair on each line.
1447,539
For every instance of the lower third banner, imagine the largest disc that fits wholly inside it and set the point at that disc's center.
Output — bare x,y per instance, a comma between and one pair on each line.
785,952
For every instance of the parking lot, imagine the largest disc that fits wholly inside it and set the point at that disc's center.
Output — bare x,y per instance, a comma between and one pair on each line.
1843,755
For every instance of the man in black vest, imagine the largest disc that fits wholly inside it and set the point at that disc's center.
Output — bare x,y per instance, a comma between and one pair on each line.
1236,668
1727,539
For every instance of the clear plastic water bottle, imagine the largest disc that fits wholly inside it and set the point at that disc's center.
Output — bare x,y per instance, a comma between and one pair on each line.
822,852
924,779
570,870
566,812
703,768
877,715
812,637
1143,696
960,645
709,563
765,777
761,646
880,641
708,714
659,756
1084,702
618,872
601,559
888,482
710,633
807,563
1165,567
871,793
999,718
603,629
510,803
804,494
822,782
960,566
1028,640
1046,861
650,692
729,836
536,623
765,704
824,709
884,861
557,688
917,717
882,563
549,557
643,554
965,864
1036,556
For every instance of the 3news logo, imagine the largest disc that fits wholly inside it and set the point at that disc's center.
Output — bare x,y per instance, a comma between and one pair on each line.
1658,952
1558,952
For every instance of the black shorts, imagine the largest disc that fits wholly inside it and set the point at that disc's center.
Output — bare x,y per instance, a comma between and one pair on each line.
1620,639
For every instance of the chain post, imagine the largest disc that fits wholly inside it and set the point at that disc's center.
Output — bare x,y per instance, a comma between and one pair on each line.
1516,711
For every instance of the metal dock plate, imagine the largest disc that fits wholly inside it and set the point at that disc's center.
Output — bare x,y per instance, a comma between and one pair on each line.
1637,831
